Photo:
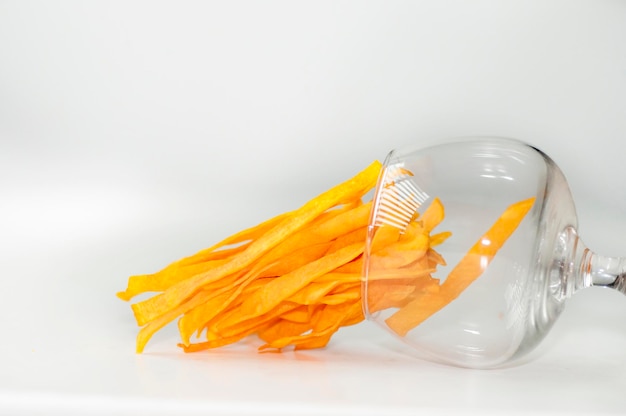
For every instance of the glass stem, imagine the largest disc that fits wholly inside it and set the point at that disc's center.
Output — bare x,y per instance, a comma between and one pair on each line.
586,268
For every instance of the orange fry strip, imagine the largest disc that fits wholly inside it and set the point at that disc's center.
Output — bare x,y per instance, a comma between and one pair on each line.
282,329
433,215
236,323
160,281
329,226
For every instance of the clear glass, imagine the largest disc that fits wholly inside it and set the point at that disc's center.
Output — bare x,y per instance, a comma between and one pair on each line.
507,310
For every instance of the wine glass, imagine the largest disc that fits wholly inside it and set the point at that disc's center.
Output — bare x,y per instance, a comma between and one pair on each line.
519,293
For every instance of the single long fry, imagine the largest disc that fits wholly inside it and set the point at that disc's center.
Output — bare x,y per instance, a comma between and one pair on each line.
433,215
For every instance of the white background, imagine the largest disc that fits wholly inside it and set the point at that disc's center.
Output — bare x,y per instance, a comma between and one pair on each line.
134,133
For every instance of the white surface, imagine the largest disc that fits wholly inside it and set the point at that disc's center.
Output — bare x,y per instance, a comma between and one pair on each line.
133,133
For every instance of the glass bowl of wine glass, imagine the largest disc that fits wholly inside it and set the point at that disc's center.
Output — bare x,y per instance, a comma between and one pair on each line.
498,253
